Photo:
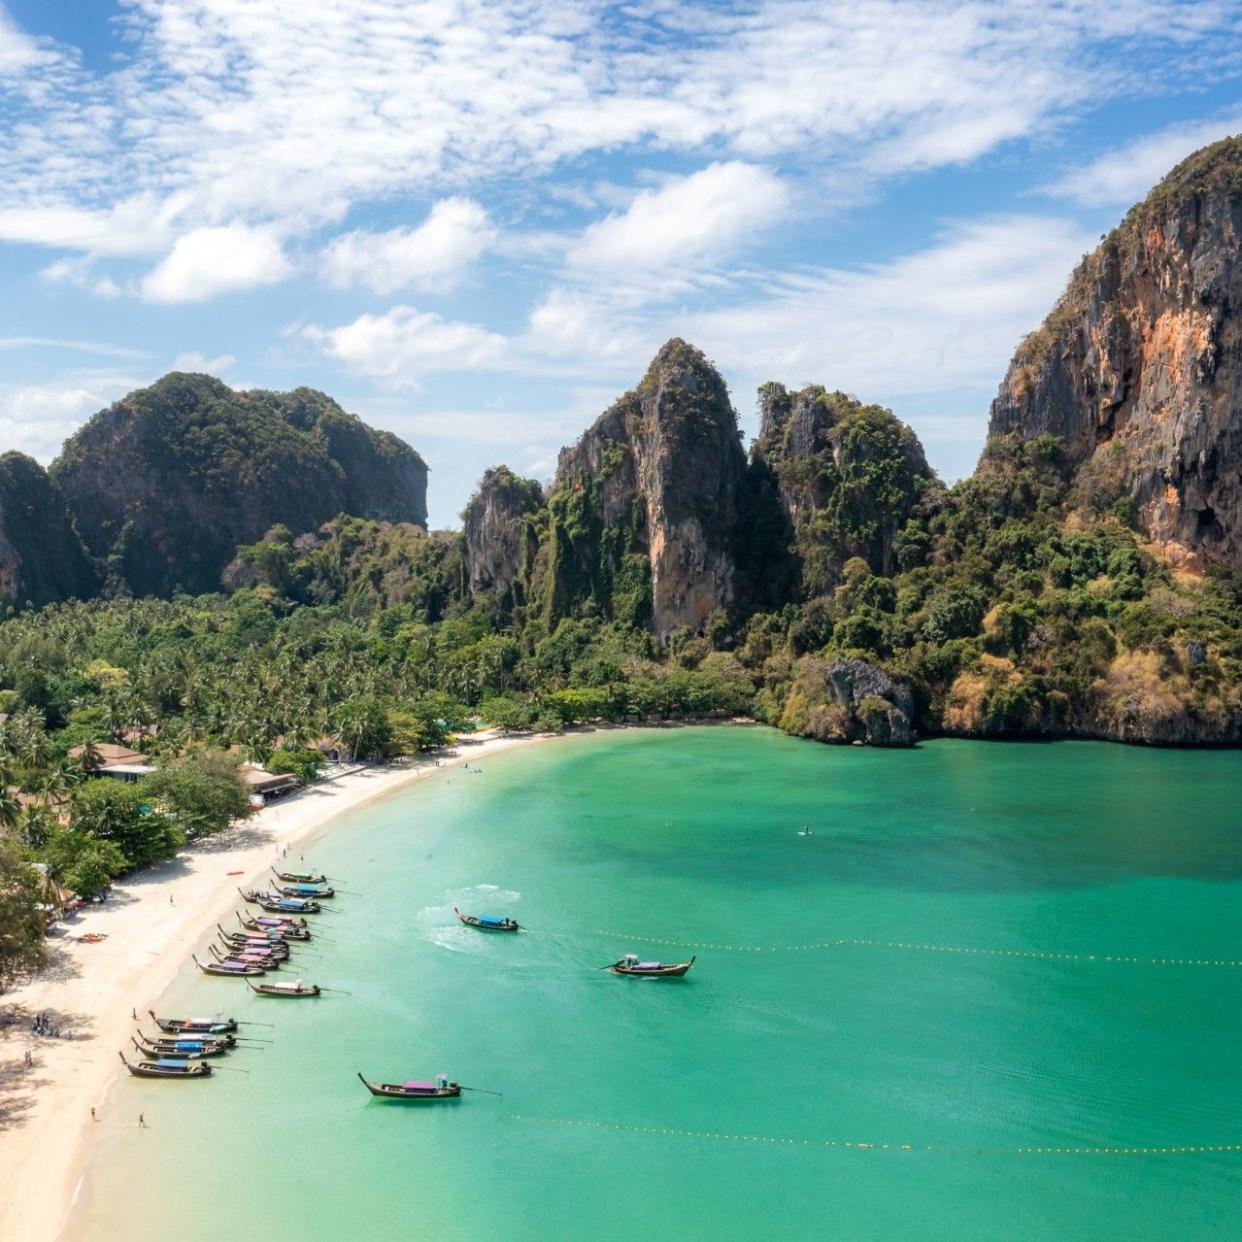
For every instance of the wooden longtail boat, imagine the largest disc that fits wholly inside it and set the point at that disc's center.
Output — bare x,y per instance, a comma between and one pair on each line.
284,989
163,1046
165,1067
192,1053
441,1089
265,935
257,944
286,924
278,903
229,968
264,960
299,877
291,929
305,892
630,965
488,922
197,1026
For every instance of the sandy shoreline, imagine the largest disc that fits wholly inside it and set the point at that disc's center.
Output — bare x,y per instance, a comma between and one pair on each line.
156,919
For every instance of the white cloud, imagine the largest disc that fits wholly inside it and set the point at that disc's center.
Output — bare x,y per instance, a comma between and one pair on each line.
430,257
705,215
194,361
209,261
399,346
84,347
265,113
1124,175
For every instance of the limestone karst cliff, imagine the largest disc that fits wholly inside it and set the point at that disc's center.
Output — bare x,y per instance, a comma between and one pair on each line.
498,534
42,559
644,504
1138,369
165,484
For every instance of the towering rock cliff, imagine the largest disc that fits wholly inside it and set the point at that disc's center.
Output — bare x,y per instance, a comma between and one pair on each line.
167,483
1138,368
849,476
644,506
499,535
42,558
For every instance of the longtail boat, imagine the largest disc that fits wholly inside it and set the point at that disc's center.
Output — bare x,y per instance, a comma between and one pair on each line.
305,892
264,960
197,1026
288,929
441,1089
299,877
266,935
630,965
229,968
257,944
278,903
284,989
192,1052
488,922
163,1046
167,1067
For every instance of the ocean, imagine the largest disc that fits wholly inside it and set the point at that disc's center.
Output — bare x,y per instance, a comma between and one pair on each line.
969,991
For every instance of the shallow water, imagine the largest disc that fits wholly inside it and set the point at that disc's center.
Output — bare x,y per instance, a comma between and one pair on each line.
737,1103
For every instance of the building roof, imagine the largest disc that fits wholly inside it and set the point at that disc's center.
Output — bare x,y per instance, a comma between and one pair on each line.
266,782
110,754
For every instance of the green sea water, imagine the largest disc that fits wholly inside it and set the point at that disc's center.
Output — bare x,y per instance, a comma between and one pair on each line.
853,1091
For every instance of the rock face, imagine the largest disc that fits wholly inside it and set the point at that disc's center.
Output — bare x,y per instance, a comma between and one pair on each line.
1139,367
849,700
849,477
42,558
167,483
644,505
497,530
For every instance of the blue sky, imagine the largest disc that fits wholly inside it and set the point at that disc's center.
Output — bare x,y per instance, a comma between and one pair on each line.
474,222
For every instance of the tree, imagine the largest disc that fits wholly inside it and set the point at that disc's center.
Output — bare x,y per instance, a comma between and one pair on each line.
81,862
21,921
203,793
111,811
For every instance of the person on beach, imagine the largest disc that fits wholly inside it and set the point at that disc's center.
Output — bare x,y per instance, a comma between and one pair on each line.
142,1121
93,1117
170,900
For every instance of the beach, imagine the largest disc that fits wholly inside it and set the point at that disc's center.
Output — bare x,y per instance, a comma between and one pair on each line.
152,921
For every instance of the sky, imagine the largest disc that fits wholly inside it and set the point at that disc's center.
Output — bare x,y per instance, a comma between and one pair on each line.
473,222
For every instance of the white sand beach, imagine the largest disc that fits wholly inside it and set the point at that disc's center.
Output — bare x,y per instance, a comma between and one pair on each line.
152,923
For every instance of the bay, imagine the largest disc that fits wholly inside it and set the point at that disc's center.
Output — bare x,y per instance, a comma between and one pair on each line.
897,1007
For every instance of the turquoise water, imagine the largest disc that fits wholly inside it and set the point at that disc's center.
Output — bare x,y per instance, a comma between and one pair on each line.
627,1104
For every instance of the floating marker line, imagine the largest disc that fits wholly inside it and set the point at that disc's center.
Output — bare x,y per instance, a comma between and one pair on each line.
1116,959
1198,1149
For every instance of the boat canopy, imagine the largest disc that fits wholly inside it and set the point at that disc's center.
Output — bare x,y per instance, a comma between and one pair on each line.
493,920
419,1086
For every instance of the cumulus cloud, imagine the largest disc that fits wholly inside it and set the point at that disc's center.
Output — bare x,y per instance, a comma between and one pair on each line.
205,262
194,361
403,344
431,257
231,110
704,215
1124,175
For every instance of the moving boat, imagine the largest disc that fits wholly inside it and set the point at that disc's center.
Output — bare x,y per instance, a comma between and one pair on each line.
299,877
488,922
166,1067
284,989
441,1089
229,967
181,1050
197,1026
630,965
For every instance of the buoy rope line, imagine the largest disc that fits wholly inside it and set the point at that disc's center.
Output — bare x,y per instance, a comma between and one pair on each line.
909,945
1199,1149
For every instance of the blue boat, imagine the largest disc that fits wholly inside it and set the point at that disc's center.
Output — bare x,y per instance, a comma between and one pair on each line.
488,922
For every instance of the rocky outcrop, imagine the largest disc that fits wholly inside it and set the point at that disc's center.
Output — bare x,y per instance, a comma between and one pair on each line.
849,475
498,534
848,700
42,559
1139,367
644,505
168,482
